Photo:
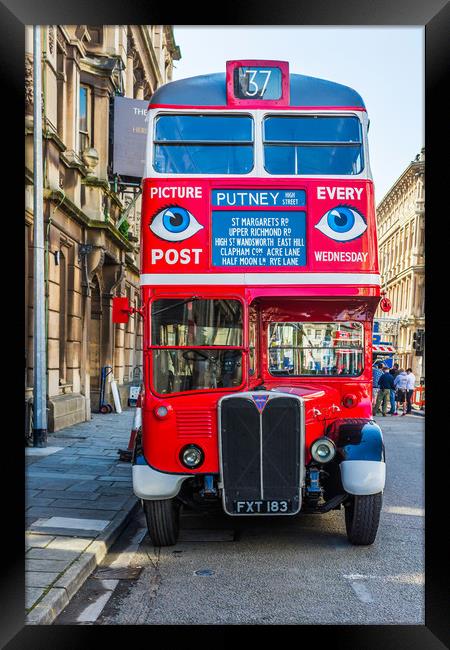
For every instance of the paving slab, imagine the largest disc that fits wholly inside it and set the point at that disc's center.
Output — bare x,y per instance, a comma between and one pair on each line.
41,483
74,495
115,491
80,513
70,543
51,554
40,578
47,565
100,503
35,540
89,486
72,523
41,451
31,595
39,501
63,475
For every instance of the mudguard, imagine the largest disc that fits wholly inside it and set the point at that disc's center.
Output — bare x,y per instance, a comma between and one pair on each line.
360,454
149,483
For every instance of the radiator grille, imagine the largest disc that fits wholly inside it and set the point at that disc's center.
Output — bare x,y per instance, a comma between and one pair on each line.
197,423
241,457
281,448
261,452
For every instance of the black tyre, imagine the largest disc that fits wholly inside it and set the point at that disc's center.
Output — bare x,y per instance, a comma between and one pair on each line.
362,516
163,521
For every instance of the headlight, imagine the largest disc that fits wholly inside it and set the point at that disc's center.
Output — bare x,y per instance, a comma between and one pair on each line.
191,456
323,450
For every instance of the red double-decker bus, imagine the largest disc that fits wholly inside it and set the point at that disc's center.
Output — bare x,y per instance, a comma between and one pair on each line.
259,283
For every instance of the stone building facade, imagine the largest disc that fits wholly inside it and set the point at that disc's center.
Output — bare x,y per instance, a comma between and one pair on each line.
401,240
89,257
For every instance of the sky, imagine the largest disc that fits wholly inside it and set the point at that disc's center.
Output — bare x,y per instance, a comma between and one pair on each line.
385,65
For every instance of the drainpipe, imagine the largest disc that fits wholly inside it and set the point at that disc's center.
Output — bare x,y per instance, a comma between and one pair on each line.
39,351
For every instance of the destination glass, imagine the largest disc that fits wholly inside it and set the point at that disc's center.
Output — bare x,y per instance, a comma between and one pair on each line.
257,83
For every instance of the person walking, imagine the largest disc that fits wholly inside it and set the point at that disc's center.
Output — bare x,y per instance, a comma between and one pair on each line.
394,371
376,374
400,383
385,384
411,384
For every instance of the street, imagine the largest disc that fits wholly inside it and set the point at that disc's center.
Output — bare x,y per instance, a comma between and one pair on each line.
299,570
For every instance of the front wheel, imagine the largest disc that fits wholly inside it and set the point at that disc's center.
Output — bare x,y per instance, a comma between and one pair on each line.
362,516
163,518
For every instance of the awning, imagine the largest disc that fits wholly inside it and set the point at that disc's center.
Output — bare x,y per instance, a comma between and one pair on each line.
383,348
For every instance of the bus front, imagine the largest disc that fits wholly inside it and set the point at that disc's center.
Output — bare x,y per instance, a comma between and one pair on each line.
259,284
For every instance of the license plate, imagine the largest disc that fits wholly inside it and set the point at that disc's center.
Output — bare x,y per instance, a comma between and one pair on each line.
261,507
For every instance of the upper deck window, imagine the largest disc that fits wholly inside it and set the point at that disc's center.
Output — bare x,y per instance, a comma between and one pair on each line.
313,145
203,144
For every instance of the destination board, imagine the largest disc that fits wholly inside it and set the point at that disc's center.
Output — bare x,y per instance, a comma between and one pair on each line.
258,238
258,198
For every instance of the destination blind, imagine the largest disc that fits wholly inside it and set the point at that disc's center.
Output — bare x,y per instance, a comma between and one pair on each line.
258,198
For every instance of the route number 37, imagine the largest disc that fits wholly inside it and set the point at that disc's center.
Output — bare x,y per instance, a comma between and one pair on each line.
253,88
254,83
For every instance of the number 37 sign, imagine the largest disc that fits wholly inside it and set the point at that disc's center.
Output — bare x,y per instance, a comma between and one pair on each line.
258,81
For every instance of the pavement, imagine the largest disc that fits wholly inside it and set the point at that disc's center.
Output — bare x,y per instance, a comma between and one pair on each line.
79,498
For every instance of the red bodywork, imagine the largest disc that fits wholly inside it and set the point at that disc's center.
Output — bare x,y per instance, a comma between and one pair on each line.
193,416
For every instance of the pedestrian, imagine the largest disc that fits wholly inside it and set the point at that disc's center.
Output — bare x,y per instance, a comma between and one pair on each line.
376,374
400,383
394,372
411,384
385,384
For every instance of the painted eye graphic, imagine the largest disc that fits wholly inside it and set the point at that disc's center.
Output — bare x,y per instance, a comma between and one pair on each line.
174,224
342,223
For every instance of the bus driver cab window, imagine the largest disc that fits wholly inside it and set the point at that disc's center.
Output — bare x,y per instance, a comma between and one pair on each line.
195,344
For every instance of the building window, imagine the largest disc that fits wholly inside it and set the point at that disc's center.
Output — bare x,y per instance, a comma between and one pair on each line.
96,34
85,115
62,316
61,79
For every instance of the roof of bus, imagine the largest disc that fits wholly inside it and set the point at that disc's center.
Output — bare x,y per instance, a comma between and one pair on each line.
210,90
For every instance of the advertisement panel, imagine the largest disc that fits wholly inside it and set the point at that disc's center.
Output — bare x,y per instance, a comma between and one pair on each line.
129,136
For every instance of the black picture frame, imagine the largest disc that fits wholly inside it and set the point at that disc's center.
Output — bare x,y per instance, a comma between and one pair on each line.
434,15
